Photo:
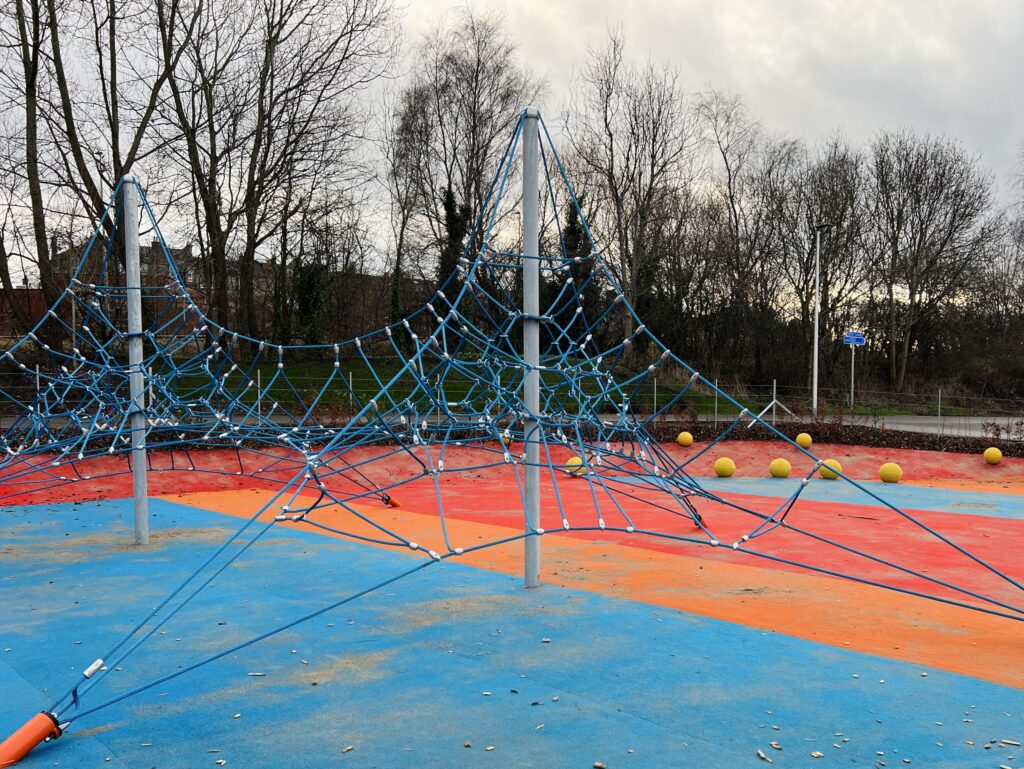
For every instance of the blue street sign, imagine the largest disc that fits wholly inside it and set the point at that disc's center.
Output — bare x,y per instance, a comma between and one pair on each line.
853,337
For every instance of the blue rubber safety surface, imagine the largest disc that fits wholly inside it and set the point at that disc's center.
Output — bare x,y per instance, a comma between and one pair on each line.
902,496
451,656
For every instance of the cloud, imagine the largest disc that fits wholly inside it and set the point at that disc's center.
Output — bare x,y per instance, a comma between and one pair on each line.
806,67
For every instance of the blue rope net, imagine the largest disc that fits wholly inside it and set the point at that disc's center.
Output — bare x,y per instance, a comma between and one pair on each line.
447,400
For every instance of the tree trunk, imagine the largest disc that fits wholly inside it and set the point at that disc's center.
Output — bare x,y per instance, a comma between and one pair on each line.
22,323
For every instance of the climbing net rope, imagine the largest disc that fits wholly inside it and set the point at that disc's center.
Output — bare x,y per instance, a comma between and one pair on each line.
446,402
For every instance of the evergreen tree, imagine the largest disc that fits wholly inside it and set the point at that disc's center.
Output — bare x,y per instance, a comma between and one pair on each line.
311,299
577,246
456,226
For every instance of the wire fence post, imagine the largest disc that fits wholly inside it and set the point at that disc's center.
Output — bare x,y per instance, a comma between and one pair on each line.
655,396
716,401
259,394
774,400
350,390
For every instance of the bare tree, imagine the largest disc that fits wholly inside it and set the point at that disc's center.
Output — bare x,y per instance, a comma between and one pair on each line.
826,188
83,79
24,40
468,89
635,141
12,236
929,206
405,151
266,100
750,179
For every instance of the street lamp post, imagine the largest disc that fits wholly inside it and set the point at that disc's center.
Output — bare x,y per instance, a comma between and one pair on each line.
817,312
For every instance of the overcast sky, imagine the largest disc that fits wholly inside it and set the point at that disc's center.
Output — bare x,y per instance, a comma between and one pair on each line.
806,67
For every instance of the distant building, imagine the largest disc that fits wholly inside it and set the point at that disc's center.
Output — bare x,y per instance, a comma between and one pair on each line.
356,303
32,303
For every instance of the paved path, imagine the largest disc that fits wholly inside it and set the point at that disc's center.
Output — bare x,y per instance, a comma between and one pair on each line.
970,427
974,427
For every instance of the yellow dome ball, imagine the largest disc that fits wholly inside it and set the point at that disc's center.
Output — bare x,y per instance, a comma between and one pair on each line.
993,455
684,439
780,468
829,468
890,472
575,466
724,467
803,440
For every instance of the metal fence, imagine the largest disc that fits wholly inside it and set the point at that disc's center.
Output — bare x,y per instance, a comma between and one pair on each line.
938,411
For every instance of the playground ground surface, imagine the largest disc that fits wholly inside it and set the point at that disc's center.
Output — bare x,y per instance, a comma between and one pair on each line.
635,652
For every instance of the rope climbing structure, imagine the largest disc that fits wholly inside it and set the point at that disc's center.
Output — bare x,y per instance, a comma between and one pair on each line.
522,369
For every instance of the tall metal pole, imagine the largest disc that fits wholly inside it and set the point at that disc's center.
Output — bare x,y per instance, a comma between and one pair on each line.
853,360
531,343
136,373
817,310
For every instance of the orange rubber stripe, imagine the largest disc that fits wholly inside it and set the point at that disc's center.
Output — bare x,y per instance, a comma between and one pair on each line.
807,606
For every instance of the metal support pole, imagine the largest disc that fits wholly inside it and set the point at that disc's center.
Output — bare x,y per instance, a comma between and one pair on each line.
853,360
259,395
655,396
940,411
531,343
775,398
817,311
136,373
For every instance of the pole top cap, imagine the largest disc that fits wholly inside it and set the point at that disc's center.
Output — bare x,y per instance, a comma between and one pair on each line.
532,112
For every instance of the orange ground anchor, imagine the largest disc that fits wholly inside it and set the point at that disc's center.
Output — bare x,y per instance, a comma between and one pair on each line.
42,726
